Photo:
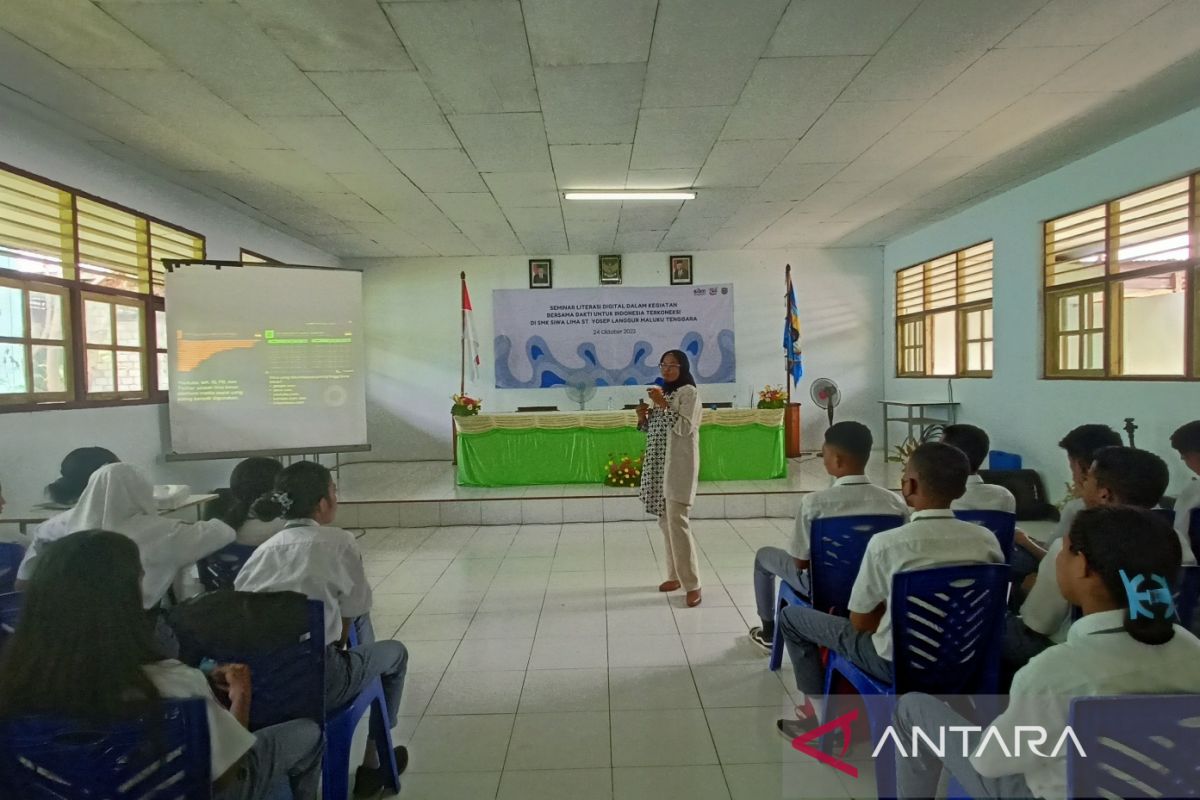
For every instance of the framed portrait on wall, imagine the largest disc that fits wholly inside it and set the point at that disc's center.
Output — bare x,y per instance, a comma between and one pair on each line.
610,270
681,270
540,273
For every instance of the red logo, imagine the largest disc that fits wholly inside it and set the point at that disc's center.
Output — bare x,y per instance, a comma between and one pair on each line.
842,723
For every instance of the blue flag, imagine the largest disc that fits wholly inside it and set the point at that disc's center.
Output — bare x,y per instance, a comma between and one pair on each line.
791,334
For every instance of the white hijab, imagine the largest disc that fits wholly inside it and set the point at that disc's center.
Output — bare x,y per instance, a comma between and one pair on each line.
117,498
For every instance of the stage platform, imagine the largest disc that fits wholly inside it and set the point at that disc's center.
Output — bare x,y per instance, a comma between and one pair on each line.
421,494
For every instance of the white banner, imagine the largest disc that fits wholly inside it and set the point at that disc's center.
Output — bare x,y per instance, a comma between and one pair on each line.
610,336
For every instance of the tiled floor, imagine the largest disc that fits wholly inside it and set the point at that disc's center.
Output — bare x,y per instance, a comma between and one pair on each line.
544,664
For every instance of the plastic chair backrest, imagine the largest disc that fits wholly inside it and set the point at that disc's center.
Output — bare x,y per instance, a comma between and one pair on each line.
10,611
287,667
11,554
44,757
1001,523
947,628
1187,593
218,571
838,544
1135,746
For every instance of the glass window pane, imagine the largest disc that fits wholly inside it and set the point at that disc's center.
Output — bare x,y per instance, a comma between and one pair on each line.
46,316
1068,313
12,312
974,357
987,356
100,371
97,320
1068,351
49,368
945,343
1153,311
160,329
12,369
163,380
30,263
129,371
1096,320
1093,357
129,326
987,323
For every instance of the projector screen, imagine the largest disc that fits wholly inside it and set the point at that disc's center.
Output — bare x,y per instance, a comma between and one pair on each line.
265,359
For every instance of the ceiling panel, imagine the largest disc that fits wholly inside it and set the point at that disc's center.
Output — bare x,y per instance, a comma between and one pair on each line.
563,32
468,206
786,95
78,34
473,53
742,163
285,167
504,142
397,242
796,181
586,236
847,129
438,170
331,143
896,152
319,35
837,27
494,238
646,215
676,137
638,241
1061,23
523,189
590,166
593,104
714,204
678,178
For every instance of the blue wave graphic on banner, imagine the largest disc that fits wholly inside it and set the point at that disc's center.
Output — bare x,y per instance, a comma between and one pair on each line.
548,371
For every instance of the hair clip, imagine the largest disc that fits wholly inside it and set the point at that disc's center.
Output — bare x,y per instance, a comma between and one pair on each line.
1139,599
284,500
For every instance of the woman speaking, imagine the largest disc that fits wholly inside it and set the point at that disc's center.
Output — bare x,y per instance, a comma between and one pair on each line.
671,466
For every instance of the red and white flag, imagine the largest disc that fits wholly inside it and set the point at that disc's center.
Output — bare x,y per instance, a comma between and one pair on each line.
470,340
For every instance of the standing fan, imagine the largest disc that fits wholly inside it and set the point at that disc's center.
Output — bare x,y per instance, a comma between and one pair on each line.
580,392
826,394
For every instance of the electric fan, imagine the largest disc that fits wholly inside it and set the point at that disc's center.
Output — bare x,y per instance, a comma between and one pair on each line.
826,394
580,392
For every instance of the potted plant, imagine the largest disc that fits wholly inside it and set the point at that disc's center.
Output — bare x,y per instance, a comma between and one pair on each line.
623,471
772,397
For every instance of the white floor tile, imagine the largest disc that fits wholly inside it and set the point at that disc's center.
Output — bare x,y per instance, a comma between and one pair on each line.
449,785
709,619
572,623
749,735
649,688
646,651
662,737
418,690
476,655
434,628
655,621
475,743
548,690
477,693
560,741
693,783
500,625
740,686
574,652
717,649
430,656
556,784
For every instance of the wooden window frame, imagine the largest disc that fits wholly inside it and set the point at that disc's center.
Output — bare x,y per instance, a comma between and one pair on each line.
1111,283
75,290
924,349
29,341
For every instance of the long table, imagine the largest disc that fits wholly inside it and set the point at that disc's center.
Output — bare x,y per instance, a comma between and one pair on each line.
527,449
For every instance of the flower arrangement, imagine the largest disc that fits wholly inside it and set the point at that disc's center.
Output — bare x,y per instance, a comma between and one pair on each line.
623,471
772,397
464,406
930,433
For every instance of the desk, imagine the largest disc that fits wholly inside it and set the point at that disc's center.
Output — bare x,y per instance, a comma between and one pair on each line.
39,514
916,415
533,449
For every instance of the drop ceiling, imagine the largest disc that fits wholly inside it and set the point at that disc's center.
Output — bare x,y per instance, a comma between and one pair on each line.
376,129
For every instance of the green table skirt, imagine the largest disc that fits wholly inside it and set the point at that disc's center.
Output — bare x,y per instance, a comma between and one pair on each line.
578,455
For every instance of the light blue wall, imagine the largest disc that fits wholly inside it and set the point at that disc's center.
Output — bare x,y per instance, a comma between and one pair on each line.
1022,412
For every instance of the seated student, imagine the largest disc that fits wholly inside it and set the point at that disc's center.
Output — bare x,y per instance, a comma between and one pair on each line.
1108,652
74,473
979,496
935,476
1186,440
322,562
1118,476
845,455
250,480
1081,444
83,649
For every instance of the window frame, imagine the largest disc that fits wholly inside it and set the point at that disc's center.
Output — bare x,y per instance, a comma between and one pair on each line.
1111,283
29,341
922,319
75,290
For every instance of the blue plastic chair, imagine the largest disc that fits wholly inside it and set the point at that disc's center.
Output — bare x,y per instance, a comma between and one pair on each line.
1194,532
1135,743
838,544
218,571
1001,523
10,611
11,554
45,757
947,633
1187,593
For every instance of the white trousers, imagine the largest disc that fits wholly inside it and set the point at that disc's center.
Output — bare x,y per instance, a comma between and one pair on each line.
681,547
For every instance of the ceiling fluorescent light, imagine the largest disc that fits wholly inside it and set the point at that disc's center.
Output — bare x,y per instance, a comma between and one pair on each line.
622,195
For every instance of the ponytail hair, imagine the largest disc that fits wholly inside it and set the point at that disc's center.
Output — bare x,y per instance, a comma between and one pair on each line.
299,489
75,471
1137,556
250,480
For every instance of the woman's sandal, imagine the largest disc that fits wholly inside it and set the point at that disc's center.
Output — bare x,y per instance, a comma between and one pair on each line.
693,598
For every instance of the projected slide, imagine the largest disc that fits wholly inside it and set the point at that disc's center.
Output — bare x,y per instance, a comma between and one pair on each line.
265,358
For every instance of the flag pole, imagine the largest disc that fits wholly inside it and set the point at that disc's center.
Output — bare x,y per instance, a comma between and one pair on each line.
462,329
787,316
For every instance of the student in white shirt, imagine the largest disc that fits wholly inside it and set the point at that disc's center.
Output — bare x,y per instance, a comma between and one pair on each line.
1118,476
322,562
979,496
84,649
935,476
845,455
1186,441
74,473
1081,444
1108,652
250,480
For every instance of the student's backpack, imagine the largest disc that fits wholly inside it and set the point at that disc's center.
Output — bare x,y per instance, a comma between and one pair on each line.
1027,487
240,622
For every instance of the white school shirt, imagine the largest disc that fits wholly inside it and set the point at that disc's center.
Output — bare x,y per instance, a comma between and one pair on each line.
118,498
1188,499
682,469
254,532
318,561
981,496
1098,659
51,530
933,538
1045,610
228,740
852,495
